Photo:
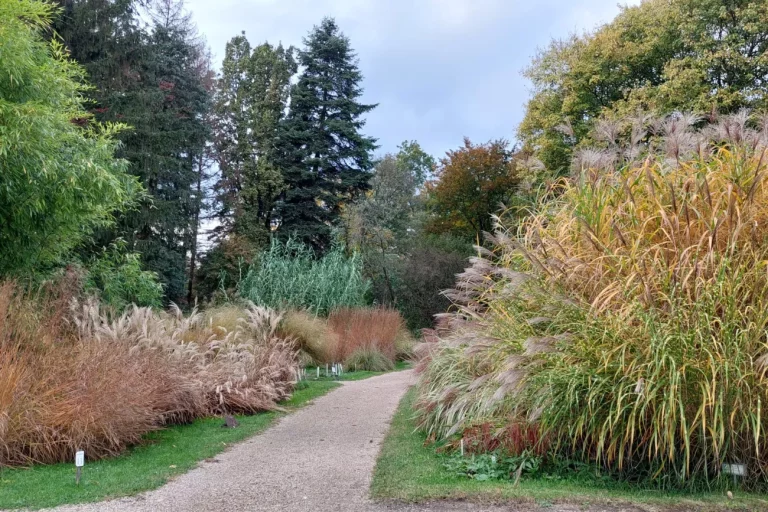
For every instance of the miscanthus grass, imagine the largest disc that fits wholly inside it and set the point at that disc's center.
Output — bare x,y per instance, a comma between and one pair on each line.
626,320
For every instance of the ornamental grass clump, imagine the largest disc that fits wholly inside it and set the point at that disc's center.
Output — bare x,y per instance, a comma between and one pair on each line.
626,321
73,377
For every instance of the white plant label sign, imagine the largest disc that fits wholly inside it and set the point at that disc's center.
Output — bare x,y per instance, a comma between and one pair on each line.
80,459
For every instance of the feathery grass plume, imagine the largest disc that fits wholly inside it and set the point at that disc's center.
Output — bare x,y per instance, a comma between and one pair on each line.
377,329
313,335
73,377
60,392
232,357
637,340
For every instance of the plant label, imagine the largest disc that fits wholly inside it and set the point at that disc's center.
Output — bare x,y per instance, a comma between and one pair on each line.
80,459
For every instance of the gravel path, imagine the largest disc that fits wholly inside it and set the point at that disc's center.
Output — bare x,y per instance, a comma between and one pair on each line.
319,458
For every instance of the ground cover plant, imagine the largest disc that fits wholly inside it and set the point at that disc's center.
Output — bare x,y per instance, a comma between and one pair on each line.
625,322
73,377
160,456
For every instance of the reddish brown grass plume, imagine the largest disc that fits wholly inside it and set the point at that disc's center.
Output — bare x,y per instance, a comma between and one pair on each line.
73,379
366,328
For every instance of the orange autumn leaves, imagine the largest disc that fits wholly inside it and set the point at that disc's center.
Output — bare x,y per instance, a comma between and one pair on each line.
472,183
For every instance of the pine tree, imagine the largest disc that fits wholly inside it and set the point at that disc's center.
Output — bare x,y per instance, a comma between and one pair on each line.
325,159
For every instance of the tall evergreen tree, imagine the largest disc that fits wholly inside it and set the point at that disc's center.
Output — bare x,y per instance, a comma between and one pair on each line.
325,158
149,78
251,100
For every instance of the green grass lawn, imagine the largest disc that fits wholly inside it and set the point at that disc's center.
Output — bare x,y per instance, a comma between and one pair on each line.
350,375
407,470
165,454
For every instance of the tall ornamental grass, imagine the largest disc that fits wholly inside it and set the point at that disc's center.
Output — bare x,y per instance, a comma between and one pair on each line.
73,377
626,321
289,276
363,338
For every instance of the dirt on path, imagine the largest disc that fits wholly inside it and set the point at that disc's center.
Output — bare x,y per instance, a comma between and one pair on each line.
318,459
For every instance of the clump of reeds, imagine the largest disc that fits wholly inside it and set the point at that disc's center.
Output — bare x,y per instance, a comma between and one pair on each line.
626,320
289,276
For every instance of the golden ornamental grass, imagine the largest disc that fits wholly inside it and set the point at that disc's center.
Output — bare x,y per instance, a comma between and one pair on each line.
626,319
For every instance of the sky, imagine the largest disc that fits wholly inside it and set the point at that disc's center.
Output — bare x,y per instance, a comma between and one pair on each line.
439,70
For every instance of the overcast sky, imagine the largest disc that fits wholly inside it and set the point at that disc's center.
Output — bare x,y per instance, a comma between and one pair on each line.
439,69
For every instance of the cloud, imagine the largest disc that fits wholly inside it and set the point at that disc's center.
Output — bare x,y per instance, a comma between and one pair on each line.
439,69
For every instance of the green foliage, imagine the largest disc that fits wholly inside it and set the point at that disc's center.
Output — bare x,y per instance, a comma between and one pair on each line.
428,266
493,466
117,277
251,98
407,267
657,57
369,359
289,275
59,179
153,75
324,157
472,183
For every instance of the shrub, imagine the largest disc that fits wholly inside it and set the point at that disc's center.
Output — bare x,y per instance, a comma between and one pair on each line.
627,322
116,276
429,266
369,359
288,275
312,334
60,180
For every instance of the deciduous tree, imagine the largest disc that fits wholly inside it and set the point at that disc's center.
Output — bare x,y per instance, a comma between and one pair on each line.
59,178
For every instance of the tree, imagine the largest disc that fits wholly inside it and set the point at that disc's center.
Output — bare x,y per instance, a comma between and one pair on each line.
59,178
251,99
324,157
472,184
378,224
153,79
660,56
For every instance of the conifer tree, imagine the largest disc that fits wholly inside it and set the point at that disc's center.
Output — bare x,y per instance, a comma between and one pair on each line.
326,159
153,79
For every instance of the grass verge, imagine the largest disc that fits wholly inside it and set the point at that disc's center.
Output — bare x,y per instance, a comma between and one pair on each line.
163,455
407,470
350,375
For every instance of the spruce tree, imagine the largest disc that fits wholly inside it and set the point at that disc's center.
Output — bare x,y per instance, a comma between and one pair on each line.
326,160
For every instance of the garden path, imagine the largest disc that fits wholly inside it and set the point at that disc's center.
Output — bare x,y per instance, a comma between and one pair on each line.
319,458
